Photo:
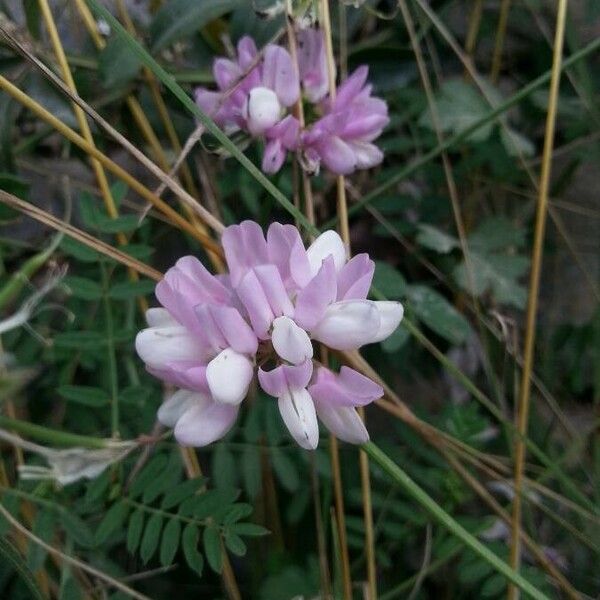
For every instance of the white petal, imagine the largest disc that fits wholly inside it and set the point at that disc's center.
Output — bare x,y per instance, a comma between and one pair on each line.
201,425
344,422
160,345
290,341
159,317
262,110
171,409
298,413
347,325
390,314
329,243
229,374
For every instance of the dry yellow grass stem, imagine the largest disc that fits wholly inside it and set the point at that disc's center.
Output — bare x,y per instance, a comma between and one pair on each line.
342,211
77,234
534,284
110,165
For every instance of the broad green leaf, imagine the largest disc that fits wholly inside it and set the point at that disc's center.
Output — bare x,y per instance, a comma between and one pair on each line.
189,543
249,529
77,529
212,548
438,314
134,530
180,18
81,287
43,527
435,239
236,512
459,106
235,544
112,521
151,537
516,143
147,475
78,250
497,273
396,341
176,495
496,233
125,223
117,65
10,556
84,394
208,503
170,542
389,281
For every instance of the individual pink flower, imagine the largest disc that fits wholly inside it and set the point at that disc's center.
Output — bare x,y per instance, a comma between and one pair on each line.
253,95
277,300
342,139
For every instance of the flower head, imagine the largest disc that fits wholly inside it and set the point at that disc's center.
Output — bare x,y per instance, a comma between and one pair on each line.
253,96
213,333
342,139
256,90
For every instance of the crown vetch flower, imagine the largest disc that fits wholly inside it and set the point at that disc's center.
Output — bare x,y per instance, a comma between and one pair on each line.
212,332
254,93
342,139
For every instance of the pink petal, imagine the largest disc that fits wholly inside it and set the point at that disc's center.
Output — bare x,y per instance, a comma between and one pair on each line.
354,279
173,408
186,374
343,422
158,346
284,377
280,75
390,315
236,332
245,247
226,73
273,157
367,155
275,292
286,251
348,388
312,61
247,52
351,87
337,155
329,243
256,303
348,325
313,300
201,424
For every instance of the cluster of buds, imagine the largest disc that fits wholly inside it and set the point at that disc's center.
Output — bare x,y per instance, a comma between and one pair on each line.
257,91
215,332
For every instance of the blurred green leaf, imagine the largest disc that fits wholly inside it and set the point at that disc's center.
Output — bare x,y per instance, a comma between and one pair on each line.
170,542
84,394
433,238
212,548
113,521
117,65
178,19
84,288
134,530
151,537
438,314
389,281
189,543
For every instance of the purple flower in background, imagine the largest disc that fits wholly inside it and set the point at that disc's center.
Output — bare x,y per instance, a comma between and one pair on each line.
255,92
253,96
342,139
214,332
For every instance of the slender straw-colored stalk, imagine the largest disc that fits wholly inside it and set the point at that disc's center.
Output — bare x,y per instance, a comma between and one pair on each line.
474,25
534,284
342,213
77,234
499,42
110,165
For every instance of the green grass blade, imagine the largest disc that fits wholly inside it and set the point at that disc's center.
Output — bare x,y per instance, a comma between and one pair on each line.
428,503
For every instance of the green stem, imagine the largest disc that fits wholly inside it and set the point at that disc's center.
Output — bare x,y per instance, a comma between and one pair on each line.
15,284
112,360
429,504
52,436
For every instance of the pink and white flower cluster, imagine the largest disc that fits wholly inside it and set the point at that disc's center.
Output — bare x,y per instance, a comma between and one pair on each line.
256,93
214,332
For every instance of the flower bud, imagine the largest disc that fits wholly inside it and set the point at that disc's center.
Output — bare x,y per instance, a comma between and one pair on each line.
262,110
